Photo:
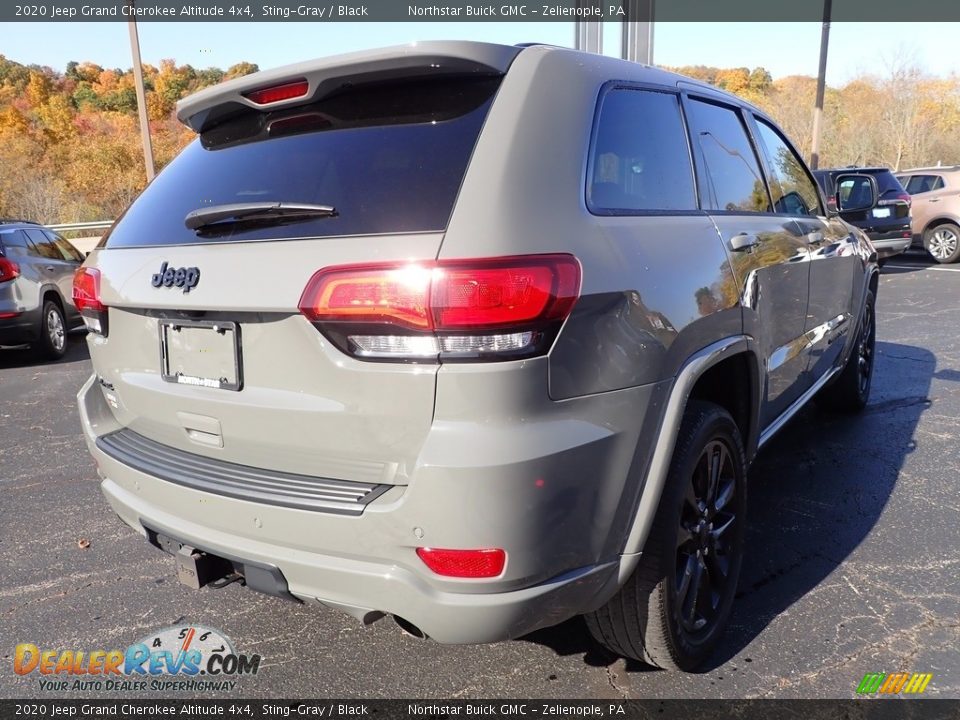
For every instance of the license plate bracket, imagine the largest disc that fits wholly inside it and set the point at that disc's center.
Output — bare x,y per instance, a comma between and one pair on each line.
202,353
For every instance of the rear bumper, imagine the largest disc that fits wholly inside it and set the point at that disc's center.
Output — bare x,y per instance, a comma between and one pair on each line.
555,503
19,330
890,243
364,589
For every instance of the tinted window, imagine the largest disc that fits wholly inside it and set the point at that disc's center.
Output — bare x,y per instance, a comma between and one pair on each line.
43,245
793,191
854,192
640,159
824,181
733,179
886,182
67,251
389,158
13,243
924,183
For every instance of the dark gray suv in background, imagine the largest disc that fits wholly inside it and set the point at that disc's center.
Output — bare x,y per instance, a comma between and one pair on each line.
479,337
36,279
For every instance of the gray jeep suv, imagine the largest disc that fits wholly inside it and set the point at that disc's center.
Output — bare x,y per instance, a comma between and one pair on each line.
480,337
36,277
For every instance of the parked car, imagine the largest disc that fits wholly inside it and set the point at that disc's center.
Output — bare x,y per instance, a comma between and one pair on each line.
935,193
887,224
36,278
409,332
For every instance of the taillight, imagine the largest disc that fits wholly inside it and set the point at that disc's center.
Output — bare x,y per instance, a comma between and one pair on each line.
485,563
276,93
86,298
9,270
498,308
897,197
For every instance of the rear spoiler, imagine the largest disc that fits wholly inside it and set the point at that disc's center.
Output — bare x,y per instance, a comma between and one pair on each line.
206,108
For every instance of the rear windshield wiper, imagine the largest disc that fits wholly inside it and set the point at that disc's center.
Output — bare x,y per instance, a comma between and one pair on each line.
220,215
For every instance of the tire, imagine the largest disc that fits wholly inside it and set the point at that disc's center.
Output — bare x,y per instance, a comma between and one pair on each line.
943,242
850,392
52,344
648,618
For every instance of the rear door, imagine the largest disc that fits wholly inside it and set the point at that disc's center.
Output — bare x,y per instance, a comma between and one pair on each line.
927,193
51,265
74,260
206,349
768,253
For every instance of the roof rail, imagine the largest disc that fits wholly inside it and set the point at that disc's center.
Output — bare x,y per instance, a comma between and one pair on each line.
949,168
15,221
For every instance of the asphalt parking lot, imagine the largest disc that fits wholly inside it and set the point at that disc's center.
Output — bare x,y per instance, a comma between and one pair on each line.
853,563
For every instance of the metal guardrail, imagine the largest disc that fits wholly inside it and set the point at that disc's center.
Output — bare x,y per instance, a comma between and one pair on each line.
95,225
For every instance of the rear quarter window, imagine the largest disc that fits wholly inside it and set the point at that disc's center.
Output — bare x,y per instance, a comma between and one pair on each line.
389,157
640,159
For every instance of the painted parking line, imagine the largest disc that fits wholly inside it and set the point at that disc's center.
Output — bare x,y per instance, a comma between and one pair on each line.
917,267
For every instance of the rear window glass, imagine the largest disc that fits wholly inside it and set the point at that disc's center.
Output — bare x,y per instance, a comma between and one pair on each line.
389,158
886,182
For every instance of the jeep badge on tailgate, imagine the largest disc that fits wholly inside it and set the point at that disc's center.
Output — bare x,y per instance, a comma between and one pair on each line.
187,278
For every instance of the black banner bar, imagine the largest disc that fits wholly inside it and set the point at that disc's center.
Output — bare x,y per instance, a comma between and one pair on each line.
476,10
866,709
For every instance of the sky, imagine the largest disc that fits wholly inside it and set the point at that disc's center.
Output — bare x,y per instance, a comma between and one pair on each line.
782,48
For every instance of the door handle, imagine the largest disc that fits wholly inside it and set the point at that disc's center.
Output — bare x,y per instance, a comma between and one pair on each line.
814,237
49,268
934,200
743,241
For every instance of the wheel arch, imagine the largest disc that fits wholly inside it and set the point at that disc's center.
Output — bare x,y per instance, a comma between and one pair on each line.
696,380
939,220
52,292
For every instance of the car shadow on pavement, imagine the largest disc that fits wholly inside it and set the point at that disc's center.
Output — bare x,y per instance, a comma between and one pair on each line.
816,491
24,357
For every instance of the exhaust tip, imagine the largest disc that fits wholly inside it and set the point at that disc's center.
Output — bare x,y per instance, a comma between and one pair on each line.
409,628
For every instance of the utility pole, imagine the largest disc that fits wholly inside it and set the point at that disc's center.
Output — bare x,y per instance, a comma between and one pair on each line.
821,86
141,98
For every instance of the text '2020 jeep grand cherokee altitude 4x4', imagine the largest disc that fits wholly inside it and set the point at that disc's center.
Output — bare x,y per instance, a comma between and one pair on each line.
482,337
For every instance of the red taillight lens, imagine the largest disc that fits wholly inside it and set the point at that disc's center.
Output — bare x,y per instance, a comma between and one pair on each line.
447,295
485,563
86,298
495,307
504,295
276,93
9,270
86,290
379,294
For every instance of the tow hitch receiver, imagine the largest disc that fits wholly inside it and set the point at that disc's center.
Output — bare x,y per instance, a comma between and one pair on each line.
196,568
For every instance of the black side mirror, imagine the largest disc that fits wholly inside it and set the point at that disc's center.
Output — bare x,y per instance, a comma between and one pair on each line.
856,192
